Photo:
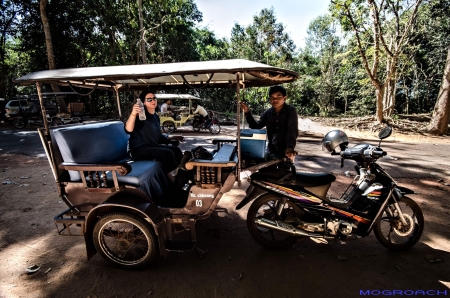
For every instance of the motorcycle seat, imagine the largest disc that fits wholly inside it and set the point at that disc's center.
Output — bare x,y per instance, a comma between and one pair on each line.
313,179
284,177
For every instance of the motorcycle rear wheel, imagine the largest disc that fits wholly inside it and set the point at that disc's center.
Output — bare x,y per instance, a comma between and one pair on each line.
214,129
392,233
126,240
19,122
265,207
197,126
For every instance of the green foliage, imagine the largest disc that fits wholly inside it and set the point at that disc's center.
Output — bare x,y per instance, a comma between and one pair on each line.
332,81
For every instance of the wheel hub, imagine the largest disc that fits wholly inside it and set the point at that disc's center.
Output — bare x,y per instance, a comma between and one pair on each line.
402,230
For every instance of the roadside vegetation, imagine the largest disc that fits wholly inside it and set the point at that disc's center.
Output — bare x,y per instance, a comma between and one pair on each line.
379,60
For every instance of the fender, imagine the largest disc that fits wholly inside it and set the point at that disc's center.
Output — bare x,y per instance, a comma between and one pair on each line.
131,201
404,190
252,193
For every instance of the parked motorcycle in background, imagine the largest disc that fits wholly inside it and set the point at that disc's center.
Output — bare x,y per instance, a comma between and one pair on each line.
289,205
211,124
26,116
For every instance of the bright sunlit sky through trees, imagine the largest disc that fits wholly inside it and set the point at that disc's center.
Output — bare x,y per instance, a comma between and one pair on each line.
221,15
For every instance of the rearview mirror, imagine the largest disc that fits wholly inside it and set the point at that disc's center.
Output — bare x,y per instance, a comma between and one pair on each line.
385,132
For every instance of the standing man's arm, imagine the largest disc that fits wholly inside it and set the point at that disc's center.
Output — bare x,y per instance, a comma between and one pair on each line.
251,121
292,133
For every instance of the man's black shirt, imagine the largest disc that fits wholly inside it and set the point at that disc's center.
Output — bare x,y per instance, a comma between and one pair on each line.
282,128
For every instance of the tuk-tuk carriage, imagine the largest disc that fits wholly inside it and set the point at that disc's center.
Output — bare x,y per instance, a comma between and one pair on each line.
181,115
127,210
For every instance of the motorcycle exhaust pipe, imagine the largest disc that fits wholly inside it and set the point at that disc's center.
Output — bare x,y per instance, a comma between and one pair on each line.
284,227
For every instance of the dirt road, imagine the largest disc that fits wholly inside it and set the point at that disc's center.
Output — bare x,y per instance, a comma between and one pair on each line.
228,262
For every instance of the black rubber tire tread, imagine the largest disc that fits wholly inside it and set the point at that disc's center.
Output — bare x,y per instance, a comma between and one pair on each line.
197,126
214,131
256,234
415,237
142,225
19,122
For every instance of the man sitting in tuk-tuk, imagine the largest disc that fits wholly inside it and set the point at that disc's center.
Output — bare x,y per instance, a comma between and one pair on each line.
166,107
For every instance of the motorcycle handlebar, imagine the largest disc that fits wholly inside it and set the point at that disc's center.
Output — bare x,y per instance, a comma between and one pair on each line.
365,153
379,153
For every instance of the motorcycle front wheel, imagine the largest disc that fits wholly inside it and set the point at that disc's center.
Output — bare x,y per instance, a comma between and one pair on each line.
126,240
19,122
274,208
392,233
214,129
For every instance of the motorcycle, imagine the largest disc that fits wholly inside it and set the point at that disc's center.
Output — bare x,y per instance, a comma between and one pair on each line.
24,118
212,124
289,205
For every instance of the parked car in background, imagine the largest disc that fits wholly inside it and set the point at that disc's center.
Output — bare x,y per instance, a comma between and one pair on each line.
12,107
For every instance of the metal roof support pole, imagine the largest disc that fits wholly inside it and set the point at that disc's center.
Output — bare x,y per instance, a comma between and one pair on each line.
238,122
43,111
116,90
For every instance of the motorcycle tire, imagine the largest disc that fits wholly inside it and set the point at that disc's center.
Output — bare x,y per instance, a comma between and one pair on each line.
266,206
214,129
125,240
19,122
197,126
390,231
168,126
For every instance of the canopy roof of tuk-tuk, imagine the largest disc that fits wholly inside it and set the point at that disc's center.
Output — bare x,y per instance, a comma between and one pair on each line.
164,96
218,74
52,94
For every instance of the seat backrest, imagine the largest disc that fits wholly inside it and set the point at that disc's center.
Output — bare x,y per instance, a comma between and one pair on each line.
91,143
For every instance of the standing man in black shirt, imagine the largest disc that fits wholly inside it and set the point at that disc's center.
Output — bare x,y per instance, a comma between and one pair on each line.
281,121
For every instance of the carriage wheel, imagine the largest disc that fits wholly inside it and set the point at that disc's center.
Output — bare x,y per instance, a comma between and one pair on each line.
125,240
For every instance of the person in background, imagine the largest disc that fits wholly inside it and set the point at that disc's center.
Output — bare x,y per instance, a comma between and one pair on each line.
146,140
199,110
33,108
281,122
165,107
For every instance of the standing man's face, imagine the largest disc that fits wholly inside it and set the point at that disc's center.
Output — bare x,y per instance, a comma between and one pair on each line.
277,100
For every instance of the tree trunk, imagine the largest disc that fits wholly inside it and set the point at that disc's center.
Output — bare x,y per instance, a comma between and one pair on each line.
142,31
379,113
441,114
49,46
390,87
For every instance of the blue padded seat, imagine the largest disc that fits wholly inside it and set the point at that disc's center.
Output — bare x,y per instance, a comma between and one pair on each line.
146,175
103,143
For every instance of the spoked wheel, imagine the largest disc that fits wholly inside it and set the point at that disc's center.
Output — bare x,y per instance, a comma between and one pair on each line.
214,129
274,208
197,126
395,235
19,122
125,240
168,126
